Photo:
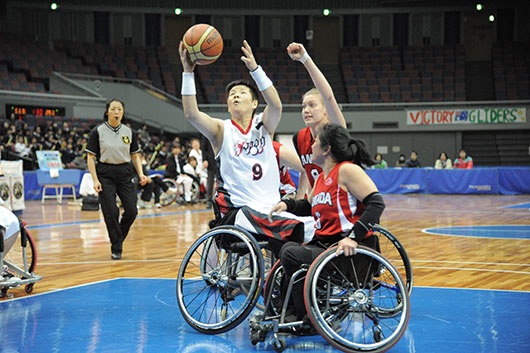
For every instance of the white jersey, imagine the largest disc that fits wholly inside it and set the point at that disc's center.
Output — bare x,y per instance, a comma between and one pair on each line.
9,221
248,168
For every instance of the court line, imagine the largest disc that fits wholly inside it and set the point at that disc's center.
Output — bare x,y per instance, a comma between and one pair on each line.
427,210
101,220
472,262
426,231
516,204
470,269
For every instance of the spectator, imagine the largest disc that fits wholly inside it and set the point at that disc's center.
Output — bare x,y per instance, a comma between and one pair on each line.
464,161
174,163
413,162
210,166
21,148
380,162
401,161
443,162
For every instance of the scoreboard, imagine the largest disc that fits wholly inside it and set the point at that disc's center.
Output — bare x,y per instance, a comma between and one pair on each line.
21,110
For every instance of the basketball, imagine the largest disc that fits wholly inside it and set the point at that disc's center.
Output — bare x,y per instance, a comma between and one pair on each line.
203,43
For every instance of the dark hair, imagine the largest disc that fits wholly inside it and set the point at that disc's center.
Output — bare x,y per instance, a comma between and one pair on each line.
107,106
344,147
250,85
379,154
440,156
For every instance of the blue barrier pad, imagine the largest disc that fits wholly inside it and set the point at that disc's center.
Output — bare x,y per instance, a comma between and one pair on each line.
399,181
513,181
463,181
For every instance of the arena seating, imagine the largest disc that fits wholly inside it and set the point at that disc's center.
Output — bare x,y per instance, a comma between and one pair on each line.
511,67
404,74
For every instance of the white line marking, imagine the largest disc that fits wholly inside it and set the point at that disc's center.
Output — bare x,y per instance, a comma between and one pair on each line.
472,262
470,269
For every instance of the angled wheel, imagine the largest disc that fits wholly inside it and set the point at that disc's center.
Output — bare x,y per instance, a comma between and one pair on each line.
16,257
392,250
219,279
358,303
272,290
167,198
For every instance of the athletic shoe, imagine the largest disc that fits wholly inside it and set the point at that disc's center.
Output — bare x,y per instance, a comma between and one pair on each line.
116,256
157,205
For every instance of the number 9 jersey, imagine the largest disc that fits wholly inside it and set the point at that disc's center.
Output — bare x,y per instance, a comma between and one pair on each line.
248,168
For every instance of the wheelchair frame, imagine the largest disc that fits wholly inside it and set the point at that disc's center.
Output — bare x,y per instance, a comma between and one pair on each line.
168,199
18,274
236,249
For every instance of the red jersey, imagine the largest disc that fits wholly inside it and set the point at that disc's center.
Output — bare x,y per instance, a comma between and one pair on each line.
303,142
286,183
334,209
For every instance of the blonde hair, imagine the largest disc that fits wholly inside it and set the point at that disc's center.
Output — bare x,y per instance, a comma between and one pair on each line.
313,91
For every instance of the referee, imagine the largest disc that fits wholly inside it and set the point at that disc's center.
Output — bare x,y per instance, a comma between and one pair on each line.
113,145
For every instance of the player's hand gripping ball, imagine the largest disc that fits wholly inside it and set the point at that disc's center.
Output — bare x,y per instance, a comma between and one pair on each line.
203,43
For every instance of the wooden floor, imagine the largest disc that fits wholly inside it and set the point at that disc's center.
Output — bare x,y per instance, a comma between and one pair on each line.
73,247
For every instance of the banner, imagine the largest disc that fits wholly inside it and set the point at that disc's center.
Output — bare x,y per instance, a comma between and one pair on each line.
49,160
12,185
482,116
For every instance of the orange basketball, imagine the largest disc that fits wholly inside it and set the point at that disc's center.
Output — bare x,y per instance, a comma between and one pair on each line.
203,43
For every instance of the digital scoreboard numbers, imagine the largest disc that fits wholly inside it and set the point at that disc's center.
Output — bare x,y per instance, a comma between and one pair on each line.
21,111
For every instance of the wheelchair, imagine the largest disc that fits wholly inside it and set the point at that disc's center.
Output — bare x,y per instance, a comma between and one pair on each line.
167,199
17,267
358,304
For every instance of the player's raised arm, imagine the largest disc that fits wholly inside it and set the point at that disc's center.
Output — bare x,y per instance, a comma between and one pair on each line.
273,110
208,126
297,52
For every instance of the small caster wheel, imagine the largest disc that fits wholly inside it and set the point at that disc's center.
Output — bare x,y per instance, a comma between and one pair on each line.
3,292
254,337
29,288
279,345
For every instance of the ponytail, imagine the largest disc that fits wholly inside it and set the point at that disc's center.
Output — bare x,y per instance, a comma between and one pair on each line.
360,154
343,147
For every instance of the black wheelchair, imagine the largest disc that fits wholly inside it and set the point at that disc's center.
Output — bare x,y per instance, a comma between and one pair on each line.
359,303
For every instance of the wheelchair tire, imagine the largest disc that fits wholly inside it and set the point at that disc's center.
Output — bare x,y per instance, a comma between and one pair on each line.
219,280
272,290
392,250
167,199
347,300
15,255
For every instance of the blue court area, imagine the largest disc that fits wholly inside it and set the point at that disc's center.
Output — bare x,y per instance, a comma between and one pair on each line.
521,205
492,231
141,315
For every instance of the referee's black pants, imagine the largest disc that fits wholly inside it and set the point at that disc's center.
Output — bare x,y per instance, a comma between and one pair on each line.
117,179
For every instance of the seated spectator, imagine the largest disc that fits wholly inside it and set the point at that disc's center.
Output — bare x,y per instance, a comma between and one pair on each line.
380,162
21,148
464,161
174,163
185,180
401,161
413,162
443,162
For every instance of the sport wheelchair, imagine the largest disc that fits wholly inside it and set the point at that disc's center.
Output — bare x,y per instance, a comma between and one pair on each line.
358,304
16,268
167,199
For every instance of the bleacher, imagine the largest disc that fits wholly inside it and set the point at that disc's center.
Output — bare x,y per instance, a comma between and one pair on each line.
408,74
511,68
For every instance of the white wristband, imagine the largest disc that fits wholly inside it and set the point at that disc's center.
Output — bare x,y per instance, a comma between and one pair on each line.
188,84
261,79
304,57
